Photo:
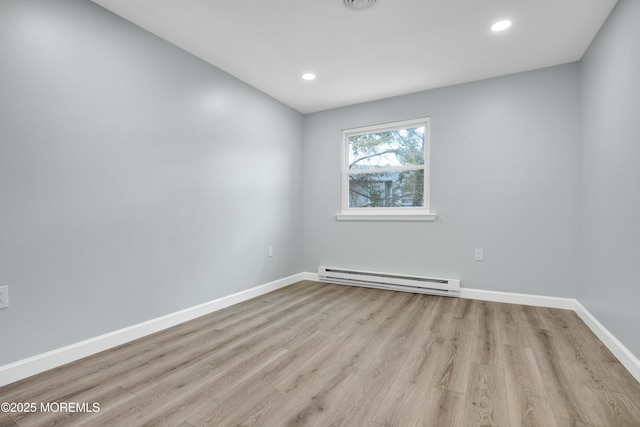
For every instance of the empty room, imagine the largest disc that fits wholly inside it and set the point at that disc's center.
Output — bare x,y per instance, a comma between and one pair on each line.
319,213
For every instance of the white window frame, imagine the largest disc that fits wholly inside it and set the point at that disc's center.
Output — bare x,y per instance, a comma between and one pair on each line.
422,213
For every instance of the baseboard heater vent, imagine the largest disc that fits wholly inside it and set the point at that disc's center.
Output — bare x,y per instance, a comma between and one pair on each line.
396,282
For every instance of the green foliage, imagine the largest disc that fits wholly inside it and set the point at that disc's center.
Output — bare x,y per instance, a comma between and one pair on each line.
387,189
394,147
389,149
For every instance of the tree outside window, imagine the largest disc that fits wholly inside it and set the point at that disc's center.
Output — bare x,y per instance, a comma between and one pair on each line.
386,165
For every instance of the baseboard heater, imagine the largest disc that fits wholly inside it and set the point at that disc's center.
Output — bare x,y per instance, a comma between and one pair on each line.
396,282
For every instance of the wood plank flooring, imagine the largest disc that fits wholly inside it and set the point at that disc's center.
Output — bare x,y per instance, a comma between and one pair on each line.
316,354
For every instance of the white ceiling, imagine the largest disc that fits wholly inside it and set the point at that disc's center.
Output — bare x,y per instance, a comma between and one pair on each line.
394,48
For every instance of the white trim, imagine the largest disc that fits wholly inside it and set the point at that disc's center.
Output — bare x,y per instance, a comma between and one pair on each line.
379,216
387,169
622,353
311,276
387,213
33,365
42,362
385,127
515,298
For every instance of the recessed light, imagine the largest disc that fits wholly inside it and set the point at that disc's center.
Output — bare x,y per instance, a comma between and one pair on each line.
309,76
359,4
501,25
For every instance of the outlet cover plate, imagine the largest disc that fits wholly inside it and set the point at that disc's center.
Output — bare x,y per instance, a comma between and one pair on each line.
4,296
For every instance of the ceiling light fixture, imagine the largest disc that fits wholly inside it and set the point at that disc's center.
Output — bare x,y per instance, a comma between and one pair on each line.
309,76
359,4
501,25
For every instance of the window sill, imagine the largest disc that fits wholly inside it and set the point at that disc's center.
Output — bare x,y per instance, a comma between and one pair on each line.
390,216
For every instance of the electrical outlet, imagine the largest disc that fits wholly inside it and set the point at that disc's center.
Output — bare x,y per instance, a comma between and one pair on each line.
270,251
479,254
4,296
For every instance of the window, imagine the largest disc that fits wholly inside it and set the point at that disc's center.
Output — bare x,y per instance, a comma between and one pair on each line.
385,172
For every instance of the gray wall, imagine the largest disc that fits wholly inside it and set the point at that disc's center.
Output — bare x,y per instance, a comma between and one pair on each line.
609,281
504,178
135,180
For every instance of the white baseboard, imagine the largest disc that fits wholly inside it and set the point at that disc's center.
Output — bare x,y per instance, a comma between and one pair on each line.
42,362
33,365
622,353
515,298
618,349
508,297
311,276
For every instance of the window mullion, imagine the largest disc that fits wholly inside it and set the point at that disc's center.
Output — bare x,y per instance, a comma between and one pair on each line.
383,170
393,173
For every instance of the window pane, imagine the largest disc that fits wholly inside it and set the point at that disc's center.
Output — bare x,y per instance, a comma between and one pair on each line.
387,189
387,149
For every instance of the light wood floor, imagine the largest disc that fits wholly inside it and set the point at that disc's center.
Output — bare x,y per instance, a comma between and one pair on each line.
329,355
